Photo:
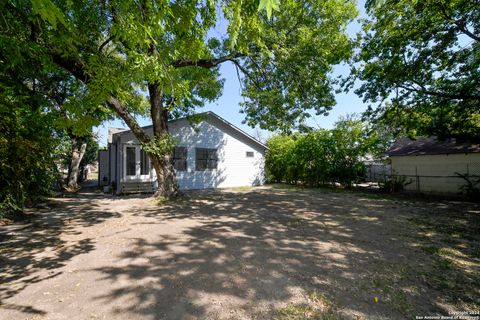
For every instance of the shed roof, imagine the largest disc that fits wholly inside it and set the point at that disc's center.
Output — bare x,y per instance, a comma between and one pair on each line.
431,146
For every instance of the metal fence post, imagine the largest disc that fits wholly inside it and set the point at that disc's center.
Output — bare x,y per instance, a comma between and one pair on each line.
417,178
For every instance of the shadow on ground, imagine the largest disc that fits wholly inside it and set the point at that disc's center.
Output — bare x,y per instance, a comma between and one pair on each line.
267,254
34,251
257,254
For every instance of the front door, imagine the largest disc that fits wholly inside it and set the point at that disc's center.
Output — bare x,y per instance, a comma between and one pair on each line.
136,164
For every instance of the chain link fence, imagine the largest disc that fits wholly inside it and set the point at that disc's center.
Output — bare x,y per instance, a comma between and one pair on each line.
451,178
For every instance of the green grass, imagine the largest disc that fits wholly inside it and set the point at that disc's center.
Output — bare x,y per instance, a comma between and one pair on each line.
319,307
160,200
294,221
384,283
241,189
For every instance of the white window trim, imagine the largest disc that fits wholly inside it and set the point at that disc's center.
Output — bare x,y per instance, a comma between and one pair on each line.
137,176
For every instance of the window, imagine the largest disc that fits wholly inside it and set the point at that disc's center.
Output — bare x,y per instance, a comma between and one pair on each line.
131,161
144,168
206,159
180,158
249,154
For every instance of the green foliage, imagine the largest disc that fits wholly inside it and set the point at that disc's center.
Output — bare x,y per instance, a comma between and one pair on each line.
48,11
39,101
284,53
160,146
419,62
471,187
321,156
394,183
288,70
315,152
269,6
280,159
448,119
27,168
352,140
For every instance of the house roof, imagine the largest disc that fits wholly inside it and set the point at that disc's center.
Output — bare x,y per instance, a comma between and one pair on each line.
214,116
112,131
431,146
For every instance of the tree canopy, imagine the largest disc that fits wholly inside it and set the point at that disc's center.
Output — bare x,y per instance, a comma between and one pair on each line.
287,74
420,65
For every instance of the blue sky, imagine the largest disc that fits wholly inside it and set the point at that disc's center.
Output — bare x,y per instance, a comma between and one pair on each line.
227,106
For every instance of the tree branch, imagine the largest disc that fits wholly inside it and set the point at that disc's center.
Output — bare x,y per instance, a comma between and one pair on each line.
204,63
461,26
77,69
246,73
105,43
440,94
464,29
115,104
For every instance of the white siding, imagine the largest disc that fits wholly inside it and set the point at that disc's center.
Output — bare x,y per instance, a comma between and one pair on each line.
234,167
437,173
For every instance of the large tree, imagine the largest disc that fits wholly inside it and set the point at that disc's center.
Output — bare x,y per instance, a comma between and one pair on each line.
75,112
123,49
420,64
52,94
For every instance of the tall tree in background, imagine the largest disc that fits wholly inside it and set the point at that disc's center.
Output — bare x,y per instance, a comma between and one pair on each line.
420,62
76,153
121,49
75,117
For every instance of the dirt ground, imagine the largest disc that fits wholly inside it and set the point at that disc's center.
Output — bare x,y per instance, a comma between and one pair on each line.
261,253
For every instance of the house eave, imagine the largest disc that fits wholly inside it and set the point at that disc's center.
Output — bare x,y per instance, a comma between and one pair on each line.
207,114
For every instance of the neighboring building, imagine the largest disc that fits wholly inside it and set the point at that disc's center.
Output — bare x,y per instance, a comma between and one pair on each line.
376,168
211,154
433,165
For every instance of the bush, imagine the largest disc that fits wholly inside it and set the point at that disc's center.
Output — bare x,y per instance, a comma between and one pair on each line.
27,168
395,183
471,188
320,156
280,158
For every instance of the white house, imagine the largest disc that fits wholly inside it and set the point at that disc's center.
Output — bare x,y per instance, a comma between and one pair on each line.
210,154
433,165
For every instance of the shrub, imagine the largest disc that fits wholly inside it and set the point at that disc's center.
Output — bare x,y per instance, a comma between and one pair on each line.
395,183
27,168
471,188
320,156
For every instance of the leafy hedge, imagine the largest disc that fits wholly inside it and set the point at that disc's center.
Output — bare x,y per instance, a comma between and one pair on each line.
27,168
322,156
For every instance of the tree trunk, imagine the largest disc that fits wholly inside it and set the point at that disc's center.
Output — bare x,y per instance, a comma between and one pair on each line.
167,181
78,150
166,178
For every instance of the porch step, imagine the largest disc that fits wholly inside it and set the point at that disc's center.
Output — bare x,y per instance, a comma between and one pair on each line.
137,187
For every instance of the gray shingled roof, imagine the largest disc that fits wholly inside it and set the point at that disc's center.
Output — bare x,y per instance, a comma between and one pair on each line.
207,113
112,131
432,145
